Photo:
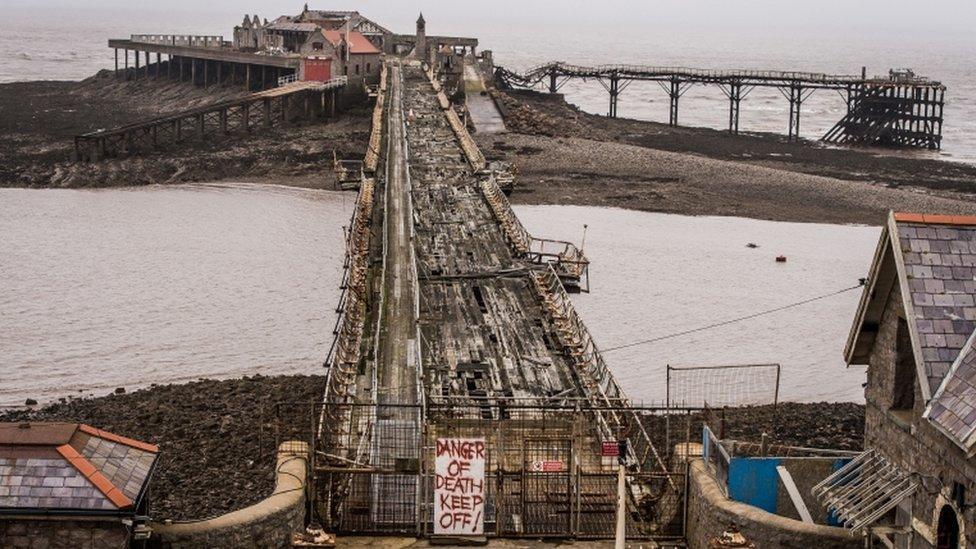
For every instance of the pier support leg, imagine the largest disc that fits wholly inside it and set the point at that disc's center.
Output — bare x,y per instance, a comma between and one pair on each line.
116,62
552,82
223,121
614,95
181,69
735,98
193,71
220,72
264,77
148,62
126,64
247,77
169,68
674,94
796,104
138,54
206,73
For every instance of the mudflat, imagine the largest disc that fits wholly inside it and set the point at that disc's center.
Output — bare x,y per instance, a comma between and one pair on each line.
39,120
566,156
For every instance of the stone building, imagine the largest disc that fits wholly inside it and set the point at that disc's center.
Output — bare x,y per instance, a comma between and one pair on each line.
71,485
915,330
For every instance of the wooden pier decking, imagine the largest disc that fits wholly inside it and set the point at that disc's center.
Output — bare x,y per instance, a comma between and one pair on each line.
471,332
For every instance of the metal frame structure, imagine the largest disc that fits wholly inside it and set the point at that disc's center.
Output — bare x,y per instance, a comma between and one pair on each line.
388,489
862,492
894,111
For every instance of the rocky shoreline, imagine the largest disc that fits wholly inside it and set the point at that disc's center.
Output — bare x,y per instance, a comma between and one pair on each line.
217,439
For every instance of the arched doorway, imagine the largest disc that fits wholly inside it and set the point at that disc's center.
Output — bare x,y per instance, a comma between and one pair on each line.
948,535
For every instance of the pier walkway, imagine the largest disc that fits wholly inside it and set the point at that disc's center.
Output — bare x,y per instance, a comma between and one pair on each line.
481,107
473,335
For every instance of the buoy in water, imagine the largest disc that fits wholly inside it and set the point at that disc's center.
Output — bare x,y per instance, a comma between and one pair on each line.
781,259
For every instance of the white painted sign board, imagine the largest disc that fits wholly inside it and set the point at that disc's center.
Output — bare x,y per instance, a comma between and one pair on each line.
459,488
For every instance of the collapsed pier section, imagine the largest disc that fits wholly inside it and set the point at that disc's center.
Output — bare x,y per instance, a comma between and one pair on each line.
900,110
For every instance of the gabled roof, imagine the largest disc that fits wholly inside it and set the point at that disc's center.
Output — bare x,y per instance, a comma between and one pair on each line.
71,468
953,409
291,26
932,260
358,44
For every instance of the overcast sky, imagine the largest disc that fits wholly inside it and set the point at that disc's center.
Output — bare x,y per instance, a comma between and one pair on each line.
470,16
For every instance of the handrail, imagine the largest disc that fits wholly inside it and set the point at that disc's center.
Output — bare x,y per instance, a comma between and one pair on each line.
535,74
192,40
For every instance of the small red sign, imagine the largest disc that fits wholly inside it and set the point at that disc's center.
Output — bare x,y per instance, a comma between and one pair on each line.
611,448
548,466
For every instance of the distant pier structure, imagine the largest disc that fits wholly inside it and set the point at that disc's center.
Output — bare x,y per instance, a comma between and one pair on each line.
900,110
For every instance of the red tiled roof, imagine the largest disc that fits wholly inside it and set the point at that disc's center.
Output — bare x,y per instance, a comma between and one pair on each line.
358,44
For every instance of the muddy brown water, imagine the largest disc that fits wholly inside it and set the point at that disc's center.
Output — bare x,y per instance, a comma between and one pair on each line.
130,287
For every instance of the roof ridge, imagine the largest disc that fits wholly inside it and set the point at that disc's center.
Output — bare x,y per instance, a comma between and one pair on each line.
152,448
90,472
934,219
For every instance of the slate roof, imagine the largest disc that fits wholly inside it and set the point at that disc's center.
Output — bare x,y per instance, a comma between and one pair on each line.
939,254
953,409
72,468
292,26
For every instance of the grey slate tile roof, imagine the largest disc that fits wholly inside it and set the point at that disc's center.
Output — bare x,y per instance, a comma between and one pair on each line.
47,483
71,467
124,466
953,409
940,265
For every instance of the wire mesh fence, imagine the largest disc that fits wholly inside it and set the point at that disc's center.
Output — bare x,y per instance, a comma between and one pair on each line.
723,386
546,473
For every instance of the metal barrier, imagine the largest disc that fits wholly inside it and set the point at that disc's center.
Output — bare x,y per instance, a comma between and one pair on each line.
569,262
387,487
189,40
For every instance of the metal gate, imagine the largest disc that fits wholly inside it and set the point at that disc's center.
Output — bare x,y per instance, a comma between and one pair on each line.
547,487
544,474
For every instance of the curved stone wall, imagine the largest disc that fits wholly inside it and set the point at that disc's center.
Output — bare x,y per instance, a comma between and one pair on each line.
268,523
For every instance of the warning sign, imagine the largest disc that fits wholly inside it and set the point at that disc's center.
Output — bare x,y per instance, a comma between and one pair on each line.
548,466
459,491
611,448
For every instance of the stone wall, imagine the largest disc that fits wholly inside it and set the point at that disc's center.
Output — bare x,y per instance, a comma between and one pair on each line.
710,513
57,534
912,442
269,523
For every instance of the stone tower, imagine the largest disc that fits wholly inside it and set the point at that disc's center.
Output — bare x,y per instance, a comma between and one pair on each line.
421,48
